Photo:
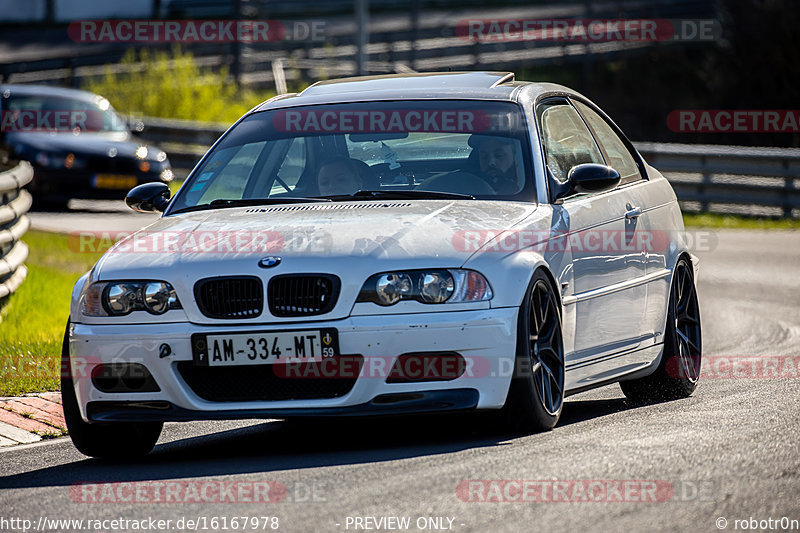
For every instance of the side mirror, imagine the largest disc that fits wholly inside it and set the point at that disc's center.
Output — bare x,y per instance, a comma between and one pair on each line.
149,197
585,178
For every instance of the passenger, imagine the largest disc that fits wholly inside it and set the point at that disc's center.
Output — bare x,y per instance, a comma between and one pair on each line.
339,176
497,162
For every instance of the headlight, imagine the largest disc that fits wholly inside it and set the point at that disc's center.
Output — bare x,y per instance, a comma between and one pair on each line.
43,158
52,160
154,166
118,298
470,287
70,161
391,288
426,286
436,287
159,297
121,298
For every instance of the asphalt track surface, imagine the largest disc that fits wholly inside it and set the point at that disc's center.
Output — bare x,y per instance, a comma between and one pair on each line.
730,452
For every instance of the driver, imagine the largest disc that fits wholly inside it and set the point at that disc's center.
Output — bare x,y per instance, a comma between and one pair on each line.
497,161
339,176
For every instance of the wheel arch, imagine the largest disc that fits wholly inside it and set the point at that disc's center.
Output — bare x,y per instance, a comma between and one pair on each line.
512,274
552,279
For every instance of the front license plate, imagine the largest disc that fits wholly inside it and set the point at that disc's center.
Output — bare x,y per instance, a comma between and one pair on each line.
264,347
114,181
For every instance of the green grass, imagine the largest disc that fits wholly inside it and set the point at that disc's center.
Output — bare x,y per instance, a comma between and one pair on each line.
174,185
32,320
172,85
709,220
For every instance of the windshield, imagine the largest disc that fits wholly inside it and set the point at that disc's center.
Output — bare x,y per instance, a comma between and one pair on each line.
470,149
59,114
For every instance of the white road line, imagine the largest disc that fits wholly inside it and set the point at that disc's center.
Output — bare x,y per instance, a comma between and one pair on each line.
16,434
18,447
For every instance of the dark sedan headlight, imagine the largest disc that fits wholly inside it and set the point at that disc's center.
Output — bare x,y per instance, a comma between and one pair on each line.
53,160
426,286
119,298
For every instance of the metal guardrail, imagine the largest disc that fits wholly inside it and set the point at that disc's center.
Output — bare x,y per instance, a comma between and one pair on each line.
14,204
730,179
410,38
706,178
185,141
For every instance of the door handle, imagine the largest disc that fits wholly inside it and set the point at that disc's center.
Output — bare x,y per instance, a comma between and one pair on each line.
633,212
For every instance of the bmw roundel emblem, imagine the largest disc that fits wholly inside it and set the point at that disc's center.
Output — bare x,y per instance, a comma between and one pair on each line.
269,262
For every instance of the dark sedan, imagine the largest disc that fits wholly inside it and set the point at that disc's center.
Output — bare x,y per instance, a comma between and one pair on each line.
78,145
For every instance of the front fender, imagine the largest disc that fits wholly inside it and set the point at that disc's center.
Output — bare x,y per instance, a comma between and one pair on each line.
77,289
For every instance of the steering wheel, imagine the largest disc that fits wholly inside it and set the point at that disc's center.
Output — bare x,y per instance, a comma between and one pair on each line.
388,176
458,182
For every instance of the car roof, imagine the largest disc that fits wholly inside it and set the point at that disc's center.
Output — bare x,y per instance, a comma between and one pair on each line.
47,90
478,85
434,80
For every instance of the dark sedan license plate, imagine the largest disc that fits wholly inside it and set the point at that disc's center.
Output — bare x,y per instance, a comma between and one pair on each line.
114,181
264,347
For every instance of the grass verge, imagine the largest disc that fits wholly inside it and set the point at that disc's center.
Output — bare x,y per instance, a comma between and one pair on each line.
711,220
173,85
32,320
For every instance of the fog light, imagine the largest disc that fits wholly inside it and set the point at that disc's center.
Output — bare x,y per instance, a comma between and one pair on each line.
123,377
427,366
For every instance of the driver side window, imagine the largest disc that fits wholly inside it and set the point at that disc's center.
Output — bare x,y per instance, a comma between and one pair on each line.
566,140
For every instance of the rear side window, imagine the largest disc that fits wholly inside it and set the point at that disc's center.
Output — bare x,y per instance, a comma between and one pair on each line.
618,155
566,140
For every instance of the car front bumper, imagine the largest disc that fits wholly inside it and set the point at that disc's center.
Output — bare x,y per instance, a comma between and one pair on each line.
485,338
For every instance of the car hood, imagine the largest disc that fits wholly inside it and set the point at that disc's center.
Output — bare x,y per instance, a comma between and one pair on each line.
85,143
352,240
409,233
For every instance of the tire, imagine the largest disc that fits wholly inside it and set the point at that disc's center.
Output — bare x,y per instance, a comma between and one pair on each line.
679,370
536,395
119,440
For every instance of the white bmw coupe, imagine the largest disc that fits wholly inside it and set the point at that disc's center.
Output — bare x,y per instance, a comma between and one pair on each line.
389,245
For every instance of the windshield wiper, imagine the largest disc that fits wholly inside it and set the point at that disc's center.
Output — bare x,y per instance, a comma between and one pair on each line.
221,203
400,194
